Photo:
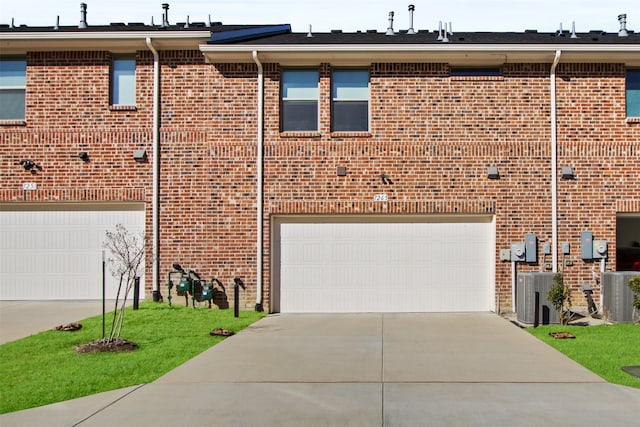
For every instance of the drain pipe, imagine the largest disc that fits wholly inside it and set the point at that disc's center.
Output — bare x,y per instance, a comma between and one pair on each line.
259,182
554,166
155,216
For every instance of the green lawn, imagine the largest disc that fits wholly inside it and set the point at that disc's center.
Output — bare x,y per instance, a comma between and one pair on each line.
601,349
44,368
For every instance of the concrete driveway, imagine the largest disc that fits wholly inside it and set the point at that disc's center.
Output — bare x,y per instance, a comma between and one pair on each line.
362,370
19,319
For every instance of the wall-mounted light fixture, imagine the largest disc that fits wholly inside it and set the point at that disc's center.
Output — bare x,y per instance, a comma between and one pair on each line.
30,165
567,172
385,179
492,172
84,156
140,156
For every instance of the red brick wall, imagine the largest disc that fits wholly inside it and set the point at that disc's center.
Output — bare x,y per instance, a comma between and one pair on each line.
432,134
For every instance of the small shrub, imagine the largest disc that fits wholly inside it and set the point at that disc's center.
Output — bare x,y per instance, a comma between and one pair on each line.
560,297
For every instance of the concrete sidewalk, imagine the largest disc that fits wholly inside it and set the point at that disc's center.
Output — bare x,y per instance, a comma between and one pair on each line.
362,370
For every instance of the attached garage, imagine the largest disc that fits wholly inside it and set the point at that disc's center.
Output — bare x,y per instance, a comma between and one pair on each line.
53,251
382,263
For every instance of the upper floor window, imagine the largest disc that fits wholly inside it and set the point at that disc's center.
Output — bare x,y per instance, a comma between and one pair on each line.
350,101
123,80
13,82
633,93
299,110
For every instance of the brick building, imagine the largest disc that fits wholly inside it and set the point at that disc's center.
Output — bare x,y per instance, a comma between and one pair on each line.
330,172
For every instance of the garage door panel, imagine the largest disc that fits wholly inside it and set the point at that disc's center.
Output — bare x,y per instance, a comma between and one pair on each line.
54,251
385,266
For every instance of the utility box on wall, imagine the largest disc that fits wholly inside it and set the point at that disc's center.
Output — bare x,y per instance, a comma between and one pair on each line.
531,248
586,245
599,249
532,302
517,252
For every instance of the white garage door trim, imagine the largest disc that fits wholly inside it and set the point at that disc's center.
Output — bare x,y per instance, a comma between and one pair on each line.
381,263
53,251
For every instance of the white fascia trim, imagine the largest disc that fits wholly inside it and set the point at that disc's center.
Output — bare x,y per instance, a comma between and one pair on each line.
443,48
493,54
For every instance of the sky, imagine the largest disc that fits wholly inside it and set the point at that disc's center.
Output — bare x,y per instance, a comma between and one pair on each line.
347,15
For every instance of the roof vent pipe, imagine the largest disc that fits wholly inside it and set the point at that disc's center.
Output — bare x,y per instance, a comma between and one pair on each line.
186,25
622,18
83,16
440,31
560,30
445,37
412,8
209,21
450,31
309,34
390,28
57,27
165,15
573,30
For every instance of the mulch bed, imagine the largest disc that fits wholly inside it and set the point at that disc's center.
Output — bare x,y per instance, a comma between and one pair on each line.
562,335
105,345
219,332
69,327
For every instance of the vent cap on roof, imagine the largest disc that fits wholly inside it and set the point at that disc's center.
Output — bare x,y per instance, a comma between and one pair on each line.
83,16
622,18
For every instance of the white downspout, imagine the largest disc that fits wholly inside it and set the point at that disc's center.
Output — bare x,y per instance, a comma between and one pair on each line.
554,166
155,220
259,182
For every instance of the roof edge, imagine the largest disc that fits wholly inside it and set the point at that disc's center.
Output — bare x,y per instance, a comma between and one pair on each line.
248,33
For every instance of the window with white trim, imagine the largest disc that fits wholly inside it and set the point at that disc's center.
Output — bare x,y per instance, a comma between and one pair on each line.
123,80
633,93
350,100
13,83
299,108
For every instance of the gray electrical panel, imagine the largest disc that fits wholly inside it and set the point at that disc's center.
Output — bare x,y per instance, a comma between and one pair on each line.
517,252
586,245
546,249
532,301
599,249
617,298
531,247
566,248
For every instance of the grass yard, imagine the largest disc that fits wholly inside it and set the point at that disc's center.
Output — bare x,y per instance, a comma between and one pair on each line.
44,368
601,349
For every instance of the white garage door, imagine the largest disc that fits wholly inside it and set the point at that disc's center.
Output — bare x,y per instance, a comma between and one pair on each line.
54,251
378,264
